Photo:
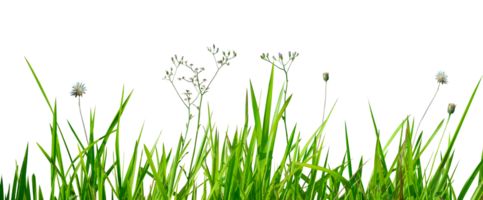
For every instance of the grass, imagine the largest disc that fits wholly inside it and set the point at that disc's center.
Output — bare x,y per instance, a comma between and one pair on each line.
240,165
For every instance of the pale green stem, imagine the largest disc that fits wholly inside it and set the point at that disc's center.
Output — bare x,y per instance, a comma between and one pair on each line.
324,103
425,112
82,119
438,145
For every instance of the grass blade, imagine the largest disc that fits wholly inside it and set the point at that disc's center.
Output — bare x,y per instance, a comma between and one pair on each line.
152,168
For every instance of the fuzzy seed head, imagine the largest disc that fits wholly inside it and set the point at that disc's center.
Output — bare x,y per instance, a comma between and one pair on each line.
441,77
78,89
451,108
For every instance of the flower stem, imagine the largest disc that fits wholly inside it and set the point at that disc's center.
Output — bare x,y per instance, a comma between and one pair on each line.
425,112
82,119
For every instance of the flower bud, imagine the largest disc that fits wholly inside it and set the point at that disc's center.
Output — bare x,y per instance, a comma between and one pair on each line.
325,75
190,79
203,68
451,108
273,57
183,77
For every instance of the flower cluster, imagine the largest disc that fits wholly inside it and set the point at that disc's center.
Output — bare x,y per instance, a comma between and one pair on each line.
281,64
202,86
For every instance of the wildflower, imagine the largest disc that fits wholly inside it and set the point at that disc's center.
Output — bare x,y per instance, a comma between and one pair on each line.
325,76
282,65
441,77
451,108
170,74
78,90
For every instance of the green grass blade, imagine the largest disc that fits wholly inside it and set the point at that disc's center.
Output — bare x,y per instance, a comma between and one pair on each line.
133,157
152,168
468,183
157,140
86,176
427,143
203,138
378,155
38,83
2,195
268,107
117,142
23,177
74,133
53,139
348,152
254,107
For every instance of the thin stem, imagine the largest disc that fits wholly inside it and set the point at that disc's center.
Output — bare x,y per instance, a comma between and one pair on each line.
196,137
82,119
425,112
324,103
430,171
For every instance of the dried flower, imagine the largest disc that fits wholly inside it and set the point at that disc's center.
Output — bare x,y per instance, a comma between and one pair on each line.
451,108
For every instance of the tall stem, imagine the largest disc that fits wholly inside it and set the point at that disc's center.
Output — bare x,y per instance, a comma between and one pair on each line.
425,112
82,119
199,111
449,117
323,113
285,111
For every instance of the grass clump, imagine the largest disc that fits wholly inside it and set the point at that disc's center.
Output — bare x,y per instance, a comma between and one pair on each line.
240,165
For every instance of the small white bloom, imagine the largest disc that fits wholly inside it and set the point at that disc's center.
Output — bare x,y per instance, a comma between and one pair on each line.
441,77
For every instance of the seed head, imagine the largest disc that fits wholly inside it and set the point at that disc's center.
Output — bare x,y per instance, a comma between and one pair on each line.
451,108
441,77
78,89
